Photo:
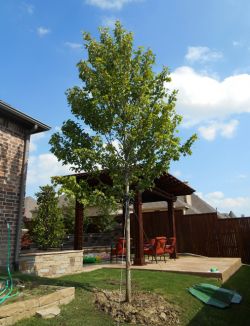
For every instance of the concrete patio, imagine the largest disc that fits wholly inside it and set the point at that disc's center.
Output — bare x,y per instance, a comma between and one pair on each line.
187,264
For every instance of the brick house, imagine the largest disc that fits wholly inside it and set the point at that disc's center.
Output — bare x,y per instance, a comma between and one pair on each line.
15,131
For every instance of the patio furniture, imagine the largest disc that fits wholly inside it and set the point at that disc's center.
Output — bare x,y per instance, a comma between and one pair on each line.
156,248
26,241
170,246
148,245
119,249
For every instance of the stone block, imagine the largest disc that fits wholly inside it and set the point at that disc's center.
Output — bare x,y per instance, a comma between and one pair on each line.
49,312
49,298
44,270
65,292
67,300
7,321
61,271
17,307
55,303
25,314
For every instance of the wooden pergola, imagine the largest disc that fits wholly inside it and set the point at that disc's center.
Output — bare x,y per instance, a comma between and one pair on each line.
167,188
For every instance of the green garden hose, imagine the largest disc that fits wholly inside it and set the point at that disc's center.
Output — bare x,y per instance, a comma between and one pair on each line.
6,292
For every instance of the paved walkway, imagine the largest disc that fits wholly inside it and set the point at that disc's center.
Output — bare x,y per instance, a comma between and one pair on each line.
188,264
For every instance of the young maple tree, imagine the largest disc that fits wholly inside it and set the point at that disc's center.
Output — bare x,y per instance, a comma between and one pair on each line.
124,120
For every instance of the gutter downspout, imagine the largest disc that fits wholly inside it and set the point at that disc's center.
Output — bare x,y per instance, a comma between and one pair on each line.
21,198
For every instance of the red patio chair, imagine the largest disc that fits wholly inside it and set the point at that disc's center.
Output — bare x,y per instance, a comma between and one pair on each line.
26,241
148,245
170,246
157,248
119,250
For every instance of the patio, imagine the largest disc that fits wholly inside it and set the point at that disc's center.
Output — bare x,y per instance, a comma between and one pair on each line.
166,188
187,264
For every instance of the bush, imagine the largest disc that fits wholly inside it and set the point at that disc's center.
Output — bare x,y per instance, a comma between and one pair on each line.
47,228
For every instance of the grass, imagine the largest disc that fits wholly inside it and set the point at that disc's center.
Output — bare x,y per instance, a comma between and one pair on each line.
172,286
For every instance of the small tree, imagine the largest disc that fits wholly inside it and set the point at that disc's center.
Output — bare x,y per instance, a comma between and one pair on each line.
131,119
47,228
68,213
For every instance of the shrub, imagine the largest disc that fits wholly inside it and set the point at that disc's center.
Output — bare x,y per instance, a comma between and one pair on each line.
47,229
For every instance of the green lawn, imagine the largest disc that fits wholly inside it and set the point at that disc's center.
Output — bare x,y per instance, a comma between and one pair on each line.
173,286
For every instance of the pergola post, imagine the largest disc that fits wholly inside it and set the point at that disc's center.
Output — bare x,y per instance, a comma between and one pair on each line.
139,259
123,219
171,217
78,236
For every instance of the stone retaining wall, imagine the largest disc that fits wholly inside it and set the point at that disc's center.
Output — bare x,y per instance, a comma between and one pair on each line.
13,312
51,264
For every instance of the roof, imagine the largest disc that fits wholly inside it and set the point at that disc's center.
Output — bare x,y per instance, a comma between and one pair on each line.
171,184
196,205
165,184
32,125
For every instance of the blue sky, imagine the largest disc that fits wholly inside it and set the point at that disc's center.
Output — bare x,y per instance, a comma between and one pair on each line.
206,45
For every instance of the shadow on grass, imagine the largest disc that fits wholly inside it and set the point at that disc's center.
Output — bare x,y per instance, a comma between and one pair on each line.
236,314
55,282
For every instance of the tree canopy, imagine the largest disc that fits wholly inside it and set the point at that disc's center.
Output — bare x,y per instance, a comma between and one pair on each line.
124,115
124,122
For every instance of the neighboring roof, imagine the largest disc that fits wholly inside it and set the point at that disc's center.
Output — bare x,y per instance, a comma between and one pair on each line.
32,125
196,206
232,215
29,206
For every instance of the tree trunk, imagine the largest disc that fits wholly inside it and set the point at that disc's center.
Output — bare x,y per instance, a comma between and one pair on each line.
128,260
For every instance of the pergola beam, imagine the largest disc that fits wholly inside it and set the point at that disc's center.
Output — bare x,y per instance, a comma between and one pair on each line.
165,195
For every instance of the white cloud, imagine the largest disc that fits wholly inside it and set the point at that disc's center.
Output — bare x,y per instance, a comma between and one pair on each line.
28,8
58,129
209,133
239,205
73,46
237,44
213,128
202,54
33,141
176,173
109,21
202,98
42,167
242,176
42,31
110,4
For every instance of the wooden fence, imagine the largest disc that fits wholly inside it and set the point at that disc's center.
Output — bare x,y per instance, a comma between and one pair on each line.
203,234
206,234
154,224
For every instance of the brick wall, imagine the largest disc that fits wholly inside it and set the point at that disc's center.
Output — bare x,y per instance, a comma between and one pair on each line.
12,139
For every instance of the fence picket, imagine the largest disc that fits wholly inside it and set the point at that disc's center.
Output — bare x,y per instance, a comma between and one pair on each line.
203,234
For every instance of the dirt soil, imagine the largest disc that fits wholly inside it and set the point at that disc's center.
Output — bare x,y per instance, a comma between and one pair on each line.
145,309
